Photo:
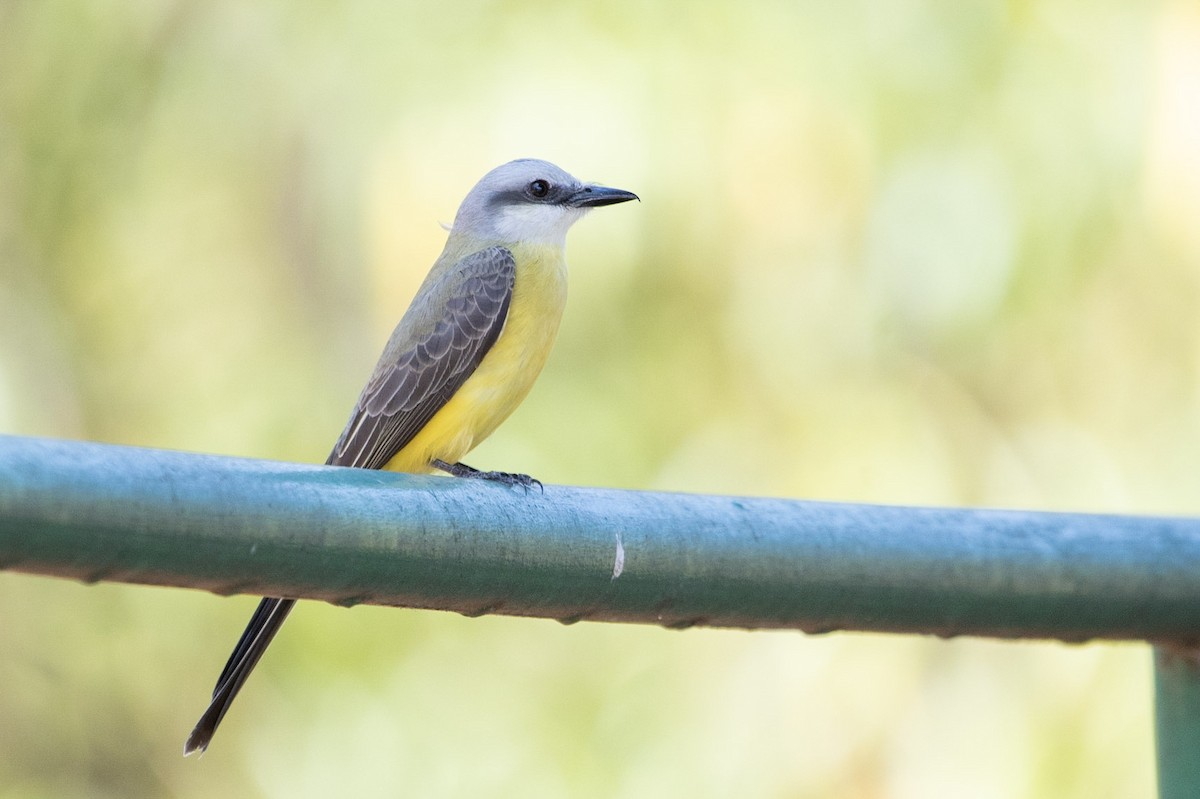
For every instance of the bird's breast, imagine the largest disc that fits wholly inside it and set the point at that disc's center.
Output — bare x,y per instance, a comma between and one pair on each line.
505,375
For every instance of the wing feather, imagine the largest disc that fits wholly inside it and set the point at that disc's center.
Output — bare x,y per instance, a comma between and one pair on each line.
407,390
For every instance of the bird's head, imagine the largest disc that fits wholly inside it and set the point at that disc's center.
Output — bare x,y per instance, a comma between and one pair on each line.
530,201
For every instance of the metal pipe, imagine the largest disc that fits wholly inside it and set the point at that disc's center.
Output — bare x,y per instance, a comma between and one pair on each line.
1177,721
231,525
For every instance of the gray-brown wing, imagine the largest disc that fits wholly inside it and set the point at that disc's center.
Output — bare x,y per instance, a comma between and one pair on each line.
401,397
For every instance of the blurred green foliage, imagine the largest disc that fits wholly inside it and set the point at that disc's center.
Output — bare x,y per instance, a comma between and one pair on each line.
915,252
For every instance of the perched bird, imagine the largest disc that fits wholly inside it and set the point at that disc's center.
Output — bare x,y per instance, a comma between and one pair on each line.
464,355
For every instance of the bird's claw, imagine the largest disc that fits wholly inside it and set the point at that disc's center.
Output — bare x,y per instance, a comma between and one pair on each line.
509,479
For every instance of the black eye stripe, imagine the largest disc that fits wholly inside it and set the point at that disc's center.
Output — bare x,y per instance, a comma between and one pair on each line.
525,194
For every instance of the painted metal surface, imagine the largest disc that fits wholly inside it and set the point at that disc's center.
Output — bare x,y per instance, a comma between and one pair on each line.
227,525
1177,721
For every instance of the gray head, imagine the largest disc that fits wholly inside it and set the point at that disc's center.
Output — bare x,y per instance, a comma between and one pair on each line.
530,201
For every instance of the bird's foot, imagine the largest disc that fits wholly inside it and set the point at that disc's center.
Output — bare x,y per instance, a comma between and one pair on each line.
509,479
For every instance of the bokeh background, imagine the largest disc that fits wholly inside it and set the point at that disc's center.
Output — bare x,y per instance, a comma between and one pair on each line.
910,252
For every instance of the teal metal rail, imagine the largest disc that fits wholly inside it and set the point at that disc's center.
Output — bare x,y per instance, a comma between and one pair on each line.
100,512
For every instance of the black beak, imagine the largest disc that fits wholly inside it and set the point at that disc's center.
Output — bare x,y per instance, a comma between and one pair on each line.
592,196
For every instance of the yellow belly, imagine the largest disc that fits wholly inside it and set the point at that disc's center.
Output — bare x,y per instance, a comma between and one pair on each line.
504,377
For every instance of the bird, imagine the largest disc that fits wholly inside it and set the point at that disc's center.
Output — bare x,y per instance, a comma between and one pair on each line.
462,358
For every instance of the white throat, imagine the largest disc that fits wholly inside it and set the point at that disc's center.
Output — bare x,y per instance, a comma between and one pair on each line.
537,224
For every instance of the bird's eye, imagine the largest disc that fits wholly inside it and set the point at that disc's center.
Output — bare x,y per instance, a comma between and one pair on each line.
539,188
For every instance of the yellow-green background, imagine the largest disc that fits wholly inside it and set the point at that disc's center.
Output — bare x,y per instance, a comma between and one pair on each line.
911,252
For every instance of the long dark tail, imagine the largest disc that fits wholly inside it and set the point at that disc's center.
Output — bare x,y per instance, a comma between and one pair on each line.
263,625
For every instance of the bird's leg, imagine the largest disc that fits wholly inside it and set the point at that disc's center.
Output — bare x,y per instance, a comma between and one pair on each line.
506,478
